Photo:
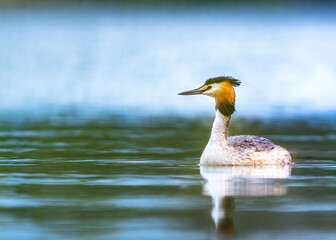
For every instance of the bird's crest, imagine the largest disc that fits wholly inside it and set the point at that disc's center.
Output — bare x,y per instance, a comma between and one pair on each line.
235,82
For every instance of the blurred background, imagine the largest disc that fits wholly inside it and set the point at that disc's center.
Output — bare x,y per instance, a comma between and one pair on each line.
95,143
135,56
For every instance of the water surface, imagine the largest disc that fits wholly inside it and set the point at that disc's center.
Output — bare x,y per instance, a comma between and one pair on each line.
120,177
72,167
140,59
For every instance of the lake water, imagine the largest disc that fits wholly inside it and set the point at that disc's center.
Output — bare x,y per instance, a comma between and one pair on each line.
76,176
95,143
140,59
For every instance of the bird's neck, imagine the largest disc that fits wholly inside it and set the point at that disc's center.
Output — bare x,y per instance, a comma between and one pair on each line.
220,128
218,149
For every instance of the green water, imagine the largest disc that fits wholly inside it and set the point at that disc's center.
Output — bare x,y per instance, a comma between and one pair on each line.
122,177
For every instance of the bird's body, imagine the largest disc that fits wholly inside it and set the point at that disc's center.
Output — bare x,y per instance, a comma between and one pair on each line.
240,150
236,150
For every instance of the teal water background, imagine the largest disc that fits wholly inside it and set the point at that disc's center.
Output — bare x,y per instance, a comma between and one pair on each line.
95,143
133,59
118,177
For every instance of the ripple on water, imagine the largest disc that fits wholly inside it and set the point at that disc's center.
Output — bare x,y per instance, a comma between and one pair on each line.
91,174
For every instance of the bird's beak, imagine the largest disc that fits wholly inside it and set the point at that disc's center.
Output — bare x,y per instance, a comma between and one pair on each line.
193,92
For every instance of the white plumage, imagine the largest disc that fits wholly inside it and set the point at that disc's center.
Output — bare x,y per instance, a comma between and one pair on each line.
236,150
240,150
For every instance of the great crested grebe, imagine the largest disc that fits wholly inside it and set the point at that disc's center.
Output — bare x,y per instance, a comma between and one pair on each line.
236,150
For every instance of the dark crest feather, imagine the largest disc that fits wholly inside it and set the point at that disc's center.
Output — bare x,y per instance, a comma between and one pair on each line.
233,81
226,109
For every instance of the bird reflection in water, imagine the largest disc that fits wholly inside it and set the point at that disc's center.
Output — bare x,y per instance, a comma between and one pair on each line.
225,183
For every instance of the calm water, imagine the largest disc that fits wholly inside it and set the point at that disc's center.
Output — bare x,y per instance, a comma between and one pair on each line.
95,175
119,58
118,177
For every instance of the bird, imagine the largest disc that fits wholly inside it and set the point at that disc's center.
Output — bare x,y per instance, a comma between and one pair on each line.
221,150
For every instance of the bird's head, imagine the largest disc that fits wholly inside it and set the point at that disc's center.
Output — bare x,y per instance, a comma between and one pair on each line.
220,88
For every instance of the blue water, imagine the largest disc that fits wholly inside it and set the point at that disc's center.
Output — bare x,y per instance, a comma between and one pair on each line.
112,58
116,177
95,143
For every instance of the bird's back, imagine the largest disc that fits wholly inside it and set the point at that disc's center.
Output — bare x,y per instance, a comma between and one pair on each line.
251,143
259,150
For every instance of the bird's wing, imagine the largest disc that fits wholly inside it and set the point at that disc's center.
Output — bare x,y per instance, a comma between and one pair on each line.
251,143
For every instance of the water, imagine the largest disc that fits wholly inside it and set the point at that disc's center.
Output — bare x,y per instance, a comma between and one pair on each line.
114,58
76,176
95,143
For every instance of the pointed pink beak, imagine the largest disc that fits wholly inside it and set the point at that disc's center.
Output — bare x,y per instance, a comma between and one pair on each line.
193,92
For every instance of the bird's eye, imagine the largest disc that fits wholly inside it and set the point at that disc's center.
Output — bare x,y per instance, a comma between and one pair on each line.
208,88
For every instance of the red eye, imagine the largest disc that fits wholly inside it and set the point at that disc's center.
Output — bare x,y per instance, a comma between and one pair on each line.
208,88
